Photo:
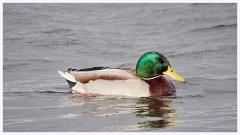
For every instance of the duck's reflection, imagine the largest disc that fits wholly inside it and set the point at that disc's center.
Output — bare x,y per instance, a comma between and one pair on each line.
153,112
155,108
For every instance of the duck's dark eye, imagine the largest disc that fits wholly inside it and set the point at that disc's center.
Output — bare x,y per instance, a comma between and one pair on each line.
160,60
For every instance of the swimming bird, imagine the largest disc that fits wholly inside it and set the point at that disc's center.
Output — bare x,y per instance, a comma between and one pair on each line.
148,79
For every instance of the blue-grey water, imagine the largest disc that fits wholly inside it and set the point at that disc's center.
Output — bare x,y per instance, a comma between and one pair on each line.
199,40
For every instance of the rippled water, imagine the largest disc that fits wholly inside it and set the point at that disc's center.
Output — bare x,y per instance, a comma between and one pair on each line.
199,40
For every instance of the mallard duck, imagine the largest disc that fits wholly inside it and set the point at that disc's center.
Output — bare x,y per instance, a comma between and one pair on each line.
148,79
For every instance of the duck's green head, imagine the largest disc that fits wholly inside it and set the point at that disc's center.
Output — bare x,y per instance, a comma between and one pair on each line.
153,64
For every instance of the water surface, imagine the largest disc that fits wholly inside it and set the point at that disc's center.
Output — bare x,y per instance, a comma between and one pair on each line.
199,40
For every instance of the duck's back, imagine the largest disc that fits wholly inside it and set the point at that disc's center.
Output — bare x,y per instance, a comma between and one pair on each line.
86,75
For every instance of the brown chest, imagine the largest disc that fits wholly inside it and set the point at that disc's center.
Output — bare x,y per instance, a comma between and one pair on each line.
160,86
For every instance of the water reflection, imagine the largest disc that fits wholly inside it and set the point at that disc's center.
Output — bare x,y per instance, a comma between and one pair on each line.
154,112
155,108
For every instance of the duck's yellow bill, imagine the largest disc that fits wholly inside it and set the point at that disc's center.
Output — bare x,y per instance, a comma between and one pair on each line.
170,72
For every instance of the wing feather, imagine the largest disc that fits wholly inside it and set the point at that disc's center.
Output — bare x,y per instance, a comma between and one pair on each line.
104,74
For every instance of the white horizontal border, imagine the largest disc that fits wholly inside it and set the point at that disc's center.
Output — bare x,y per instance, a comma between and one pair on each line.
124,133
119,1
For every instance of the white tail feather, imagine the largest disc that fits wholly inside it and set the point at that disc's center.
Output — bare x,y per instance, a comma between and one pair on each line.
67,76
78,88
71,77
